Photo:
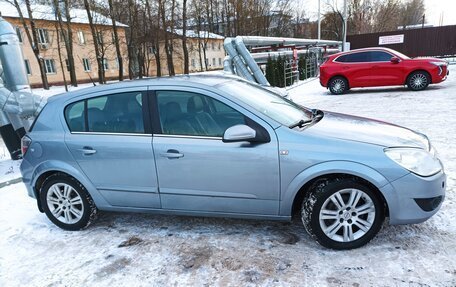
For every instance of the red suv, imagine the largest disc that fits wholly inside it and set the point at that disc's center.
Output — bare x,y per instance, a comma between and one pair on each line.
373,67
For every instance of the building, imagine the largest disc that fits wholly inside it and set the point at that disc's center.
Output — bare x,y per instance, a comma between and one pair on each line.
83,46
211,49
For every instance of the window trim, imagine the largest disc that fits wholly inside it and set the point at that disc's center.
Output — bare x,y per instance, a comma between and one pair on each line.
335,59
144,101
155,116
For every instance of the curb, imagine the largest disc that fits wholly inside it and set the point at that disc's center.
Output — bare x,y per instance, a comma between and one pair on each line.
10,182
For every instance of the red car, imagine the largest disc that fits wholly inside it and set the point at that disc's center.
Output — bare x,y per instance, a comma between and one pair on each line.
372,67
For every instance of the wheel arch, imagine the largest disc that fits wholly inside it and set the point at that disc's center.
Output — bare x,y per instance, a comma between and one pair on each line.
418,70
339,76
301,184
48,168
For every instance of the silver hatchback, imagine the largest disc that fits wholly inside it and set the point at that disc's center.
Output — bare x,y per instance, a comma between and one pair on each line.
216,146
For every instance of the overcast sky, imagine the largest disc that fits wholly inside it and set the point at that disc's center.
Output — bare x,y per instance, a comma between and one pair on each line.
434,9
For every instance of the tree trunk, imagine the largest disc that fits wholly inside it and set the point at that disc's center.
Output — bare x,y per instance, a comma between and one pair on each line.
184,36
116,40
33,40
168,47
68,40
69,45
95,43
59,51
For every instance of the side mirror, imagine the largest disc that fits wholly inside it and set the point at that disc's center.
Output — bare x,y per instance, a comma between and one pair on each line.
239,133
395,60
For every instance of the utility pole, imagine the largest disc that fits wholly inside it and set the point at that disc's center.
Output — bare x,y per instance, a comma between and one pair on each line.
344,39
319,20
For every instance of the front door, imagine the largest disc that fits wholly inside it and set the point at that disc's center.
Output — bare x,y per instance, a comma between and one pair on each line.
383,71
108,139
197,171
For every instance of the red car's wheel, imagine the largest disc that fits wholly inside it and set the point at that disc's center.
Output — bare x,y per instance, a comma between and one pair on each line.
418,80
338,85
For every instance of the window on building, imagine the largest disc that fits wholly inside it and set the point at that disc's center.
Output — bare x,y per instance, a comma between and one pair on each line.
213,62
220,61
219,46
207,62
105,64
81,37
213,46
27,67
86,64
43,37
100,37
193,63
49,65
19,34
152,50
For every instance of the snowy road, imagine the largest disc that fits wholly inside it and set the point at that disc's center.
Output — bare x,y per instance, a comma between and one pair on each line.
149,250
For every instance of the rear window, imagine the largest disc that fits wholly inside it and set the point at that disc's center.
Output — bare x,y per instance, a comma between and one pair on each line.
116,113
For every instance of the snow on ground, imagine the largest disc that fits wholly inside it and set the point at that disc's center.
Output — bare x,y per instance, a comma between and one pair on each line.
152,250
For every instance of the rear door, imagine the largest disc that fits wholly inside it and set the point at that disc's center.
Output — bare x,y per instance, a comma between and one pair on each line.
197,171
356,68
112,144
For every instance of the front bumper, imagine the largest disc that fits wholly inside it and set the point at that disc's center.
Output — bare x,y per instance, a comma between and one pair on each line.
414,199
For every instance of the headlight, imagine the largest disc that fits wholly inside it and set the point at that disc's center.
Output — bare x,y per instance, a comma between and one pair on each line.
439,63
416,160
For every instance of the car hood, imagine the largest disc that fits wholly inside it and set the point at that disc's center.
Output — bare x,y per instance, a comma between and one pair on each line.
366,130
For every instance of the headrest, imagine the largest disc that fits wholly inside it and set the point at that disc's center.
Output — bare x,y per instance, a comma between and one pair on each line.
173,110
195,105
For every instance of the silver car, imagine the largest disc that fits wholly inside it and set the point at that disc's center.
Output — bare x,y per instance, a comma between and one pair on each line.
215,146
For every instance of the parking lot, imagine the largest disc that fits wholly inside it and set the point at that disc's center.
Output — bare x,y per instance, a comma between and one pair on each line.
152,250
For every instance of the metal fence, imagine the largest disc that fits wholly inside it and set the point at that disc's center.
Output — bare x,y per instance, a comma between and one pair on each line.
432,41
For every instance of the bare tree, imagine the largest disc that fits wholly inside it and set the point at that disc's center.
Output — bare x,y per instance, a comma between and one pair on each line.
184,36
93,30
33,39
116,39
67,36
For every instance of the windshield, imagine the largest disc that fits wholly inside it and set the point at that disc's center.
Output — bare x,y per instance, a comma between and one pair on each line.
266,102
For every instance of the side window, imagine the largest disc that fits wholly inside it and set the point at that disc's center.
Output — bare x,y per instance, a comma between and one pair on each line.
75,117
378,56
354,58
185,113
117,113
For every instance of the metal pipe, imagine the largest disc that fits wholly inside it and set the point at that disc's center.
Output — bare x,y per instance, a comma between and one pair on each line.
239,65
258,40
228,65
265,55
319,20
344,39
257,73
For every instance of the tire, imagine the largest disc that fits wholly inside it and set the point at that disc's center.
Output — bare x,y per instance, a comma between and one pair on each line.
67,203
418,81
338,85
339,220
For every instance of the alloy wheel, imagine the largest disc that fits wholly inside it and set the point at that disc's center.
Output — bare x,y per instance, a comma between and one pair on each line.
347,215
65,203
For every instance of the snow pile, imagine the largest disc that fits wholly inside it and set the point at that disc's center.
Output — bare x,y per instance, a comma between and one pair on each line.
151,250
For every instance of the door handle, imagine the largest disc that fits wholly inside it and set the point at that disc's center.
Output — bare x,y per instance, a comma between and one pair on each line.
87,150
172,153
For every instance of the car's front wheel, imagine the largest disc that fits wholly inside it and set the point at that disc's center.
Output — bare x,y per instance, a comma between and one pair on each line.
342,213
418,81
66,202
338,85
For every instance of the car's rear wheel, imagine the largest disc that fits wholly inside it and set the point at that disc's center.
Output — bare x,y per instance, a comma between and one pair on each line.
338,85
66,202
418,80
342,213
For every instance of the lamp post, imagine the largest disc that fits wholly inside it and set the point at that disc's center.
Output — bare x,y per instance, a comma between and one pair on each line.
344,39
319,20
